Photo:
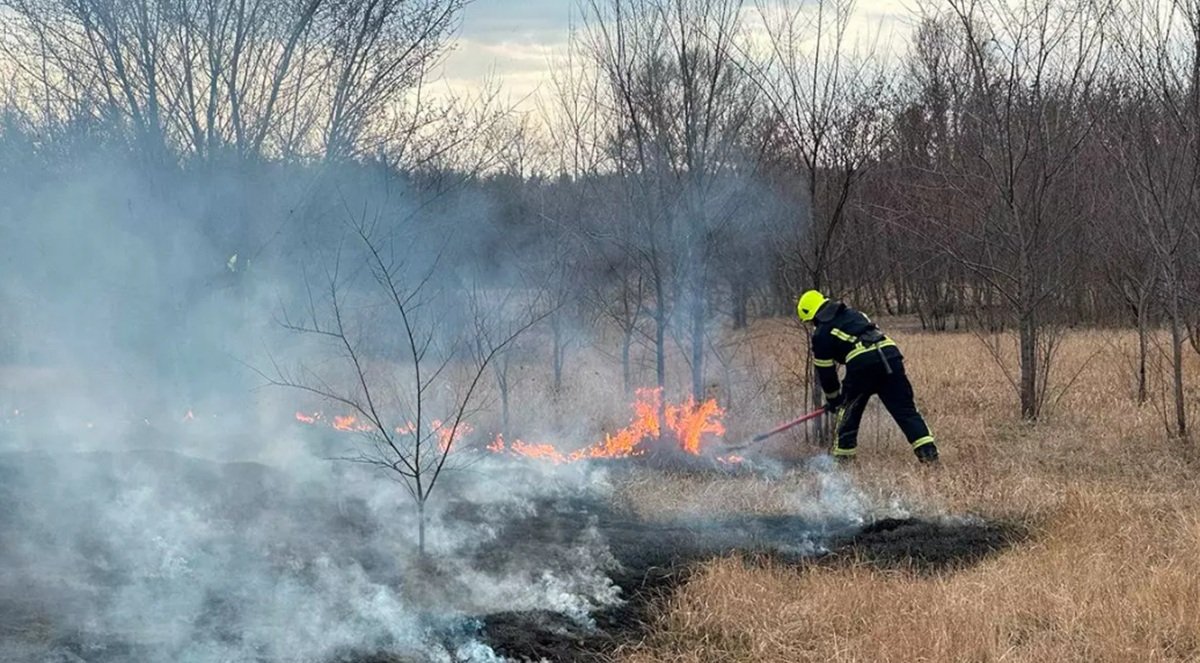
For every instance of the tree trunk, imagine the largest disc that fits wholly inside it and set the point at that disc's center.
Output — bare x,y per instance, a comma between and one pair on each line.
626,369
900,305
1177,360
421,526
1029,369
504,412
821,428
740,297
660,332
660,348
698,327
1143,347
559,352
503,385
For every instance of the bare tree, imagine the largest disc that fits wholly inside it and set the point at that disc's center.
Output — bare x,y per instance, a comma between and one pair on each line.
1033,71
831,104
408,370
377,51
680,106
1158,145
909,198
501,310
251,77
1132,269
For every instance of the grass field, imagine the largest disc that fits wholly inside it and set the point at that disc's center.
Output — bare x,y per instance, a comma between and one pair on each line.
1109,572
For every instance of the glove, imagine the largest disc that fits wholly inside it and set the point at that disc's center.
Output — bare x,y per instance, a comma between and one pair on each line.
833,404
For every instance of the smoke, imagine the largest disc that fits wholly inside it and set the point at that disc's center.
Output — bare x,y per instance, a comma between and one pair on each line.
157,503
161,557
161,505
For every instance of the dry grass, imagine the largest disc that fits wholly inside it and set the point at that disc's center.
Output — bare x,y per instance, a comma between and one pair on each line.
1109,573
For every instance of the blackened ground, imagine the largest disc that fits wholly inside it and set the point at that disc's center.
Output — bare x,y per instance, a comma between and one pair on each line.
925,546
656,557
52,503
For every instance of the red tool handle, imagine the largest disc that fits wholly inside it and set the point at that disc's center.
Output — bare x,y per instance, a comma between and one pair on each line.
774,431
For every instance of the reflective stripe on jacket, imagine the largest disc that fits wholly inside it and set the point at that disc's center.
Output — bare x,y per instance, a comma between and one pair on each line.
843,335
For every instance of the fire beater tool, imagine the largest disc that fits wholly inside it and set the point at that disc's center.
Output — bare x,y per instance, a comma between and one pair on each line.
778,429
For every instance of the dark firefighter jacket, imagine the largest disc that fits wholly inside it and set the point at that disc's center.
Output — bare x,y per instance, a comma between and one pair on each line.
845,336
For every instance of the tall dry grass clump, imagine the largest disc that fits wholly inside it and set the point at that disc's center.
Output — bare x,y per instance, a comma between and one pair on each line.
1110,570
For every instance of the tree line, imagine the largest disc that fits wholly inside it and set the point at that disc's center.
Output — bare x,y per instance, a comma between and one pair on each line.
1013,169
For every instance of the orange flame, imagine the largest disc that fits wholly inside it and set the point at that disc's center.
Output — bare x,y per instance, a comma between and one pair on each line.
448,434
543,451
688,423
307,418
349,422
497,445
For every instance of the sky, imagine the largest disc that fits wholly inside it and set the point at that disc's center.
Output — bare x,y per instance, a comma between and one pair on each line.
514,41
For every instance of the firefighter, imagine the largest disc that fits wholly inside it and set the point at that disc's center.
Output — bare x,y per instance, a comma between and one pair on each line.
874,366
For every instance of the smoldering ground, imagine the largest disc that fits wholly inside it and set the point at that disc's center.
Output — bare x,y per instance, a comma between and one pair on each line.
159,556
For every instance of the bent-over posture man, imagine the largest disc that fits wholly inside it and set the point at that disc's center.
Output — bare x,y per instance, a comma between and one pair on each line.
874,366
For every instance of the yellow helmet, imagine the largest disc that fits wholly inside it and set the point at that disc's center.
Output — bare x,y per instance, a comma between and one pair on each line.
810,303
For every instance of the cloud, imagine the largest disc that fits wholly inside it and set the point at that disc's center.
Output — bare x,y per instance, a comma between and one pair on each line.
511,43
528,20
515,43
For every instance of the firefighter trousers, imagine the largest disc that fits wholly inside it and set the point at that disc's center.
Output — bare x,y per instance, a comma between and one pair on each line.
887,380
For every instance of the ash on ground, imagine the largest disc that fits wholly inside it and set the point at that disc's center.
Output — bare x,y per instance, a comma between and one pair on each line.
160,557
655,557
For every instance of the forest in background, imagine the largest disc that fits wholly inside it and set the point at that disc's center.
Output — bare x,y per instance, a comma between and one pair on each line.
1021,168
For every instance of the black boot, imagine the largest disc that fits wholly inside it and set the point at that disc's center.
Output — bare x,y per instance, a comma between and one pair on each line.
927,453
